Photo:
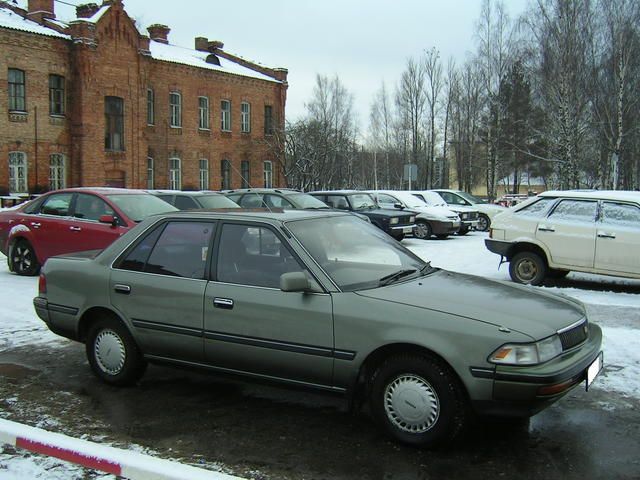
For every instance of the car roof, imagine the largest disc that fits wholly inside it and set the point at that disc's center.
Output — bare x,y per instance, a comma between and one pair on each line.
283,191
102,190
338,192
189,193
277,214
625,195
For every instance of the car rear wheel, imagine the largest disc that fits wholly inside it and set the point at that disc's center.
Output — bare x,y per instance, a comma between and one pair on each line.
399,237
22,259
422,230
113,354
418,400
528,268
484,222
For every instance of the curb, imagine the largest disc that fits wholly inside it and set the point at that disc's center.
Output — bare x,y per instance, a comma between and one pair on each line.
124,463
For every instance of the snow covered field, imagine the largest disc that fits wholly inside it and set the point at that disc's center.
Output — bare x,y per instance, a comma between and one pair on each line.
613,303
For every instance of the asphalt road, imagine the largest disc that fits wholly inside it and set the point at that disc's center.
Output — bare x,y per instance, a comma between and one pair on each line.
266,432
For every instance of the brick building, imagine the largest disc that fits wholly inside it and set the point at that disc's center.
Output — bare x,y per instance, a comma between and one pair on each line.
93,101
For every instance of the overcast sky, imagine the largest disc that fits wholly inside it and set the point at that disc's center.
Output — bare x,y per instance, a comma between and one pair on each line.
362,41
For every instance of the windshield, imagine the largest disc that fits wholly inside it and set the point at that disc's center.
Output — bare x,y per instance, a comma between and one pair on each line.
304,200
217,201
355,254
432,198
470,198
361,201
139,206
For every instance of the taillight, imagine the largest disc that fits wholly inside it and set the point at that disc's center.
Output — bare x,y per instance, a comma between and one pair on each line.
42,284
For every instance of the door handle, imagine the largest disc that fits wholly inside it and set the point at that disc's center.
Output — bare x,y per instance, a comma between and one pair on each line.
124,289
75,229
544,228
35,224
606,235
225,303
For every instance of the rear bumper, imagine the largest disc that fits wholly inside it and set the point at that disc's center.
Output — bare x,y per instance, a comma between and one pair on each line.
498,246
60,319
524,391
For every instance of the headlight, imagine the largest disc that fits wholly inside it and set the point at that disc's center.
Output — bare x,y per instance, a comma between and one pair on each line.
394,221
412,219
528,353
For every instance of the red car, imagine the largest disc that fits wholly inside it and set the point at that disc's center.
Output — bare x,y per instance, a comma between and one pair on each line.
71,220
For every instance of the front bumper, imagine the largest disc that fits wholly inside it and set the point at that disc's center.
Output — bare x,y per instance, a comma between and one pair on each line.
401,229
524,391
469,225
442,228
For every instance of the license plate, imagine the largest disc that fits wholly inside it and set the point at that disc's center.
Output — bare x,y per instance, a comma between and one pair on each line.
407,229
594,369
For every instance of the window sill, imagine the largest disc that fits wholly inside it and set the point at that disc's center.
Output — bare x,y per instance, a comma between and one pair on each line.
18,116
204,132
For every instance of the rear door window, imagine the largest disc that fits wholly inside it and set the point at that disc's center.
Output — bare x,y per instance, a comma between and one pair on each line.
57,204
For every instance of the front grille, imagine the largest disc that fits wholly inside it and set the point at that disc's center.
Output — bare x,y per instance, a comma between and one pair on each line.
473,216
574,336
405,220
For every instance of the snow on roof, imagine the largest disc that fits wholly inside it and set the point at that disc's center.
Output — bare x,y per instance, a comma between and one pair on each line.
96,16
524,180
9,19
196,58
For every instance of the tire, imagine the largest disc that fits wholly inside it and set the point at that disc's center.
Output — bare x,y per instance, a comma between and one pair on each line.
417,400
484,222
557,274
442,236
463,231
22,259
399,237
422,230
527,268
113,355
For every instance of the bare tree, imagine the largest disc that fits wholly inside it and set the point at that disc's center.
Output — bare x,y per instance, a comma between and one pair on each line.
380,126
434,82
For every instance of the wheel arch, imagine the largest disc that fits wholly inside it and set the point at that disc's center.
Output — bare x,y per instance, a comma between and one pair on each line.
92,315
528,247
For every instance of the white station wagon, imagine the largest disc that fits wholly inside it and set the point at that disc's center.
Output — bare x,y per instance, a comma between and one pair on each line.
560,231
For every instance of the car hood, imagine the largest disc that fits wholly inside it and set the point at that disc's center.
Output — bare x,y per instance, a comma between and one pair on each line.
519,308
433,211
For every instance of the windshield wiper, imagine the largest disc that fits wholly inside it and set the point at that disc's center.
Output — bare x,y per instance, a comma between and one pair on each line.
392,277
426,269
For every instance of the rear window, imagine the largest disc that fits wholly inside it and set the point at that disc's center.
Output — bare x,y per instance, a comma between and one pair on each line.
307,201
217,201
538,208
139,206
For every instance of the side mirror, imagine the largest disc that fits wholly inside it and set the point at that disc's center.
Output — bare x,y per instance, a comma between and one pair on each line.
294,282
108,219
398,205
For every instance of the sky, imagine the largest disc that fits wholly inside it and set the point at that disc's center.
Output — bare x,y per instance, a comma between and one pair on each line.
364,42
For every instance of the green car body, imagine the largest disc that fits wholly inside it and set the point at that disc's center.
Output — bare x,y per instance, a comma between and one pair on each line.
418,344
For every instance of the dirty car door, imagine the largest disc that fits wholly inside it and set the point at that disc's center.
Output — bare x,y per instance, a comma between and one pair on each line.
251,325
159,286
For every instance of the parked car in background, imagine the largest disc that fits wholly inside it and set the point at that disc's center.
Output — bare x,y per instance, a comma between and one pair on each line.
190,200
274,198
486,211
468,215
438,221
320,300
558,232
394,222
71,220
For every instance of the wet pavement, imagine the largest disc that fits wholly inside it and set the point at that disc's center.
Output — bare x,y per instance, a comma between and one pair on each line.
266,432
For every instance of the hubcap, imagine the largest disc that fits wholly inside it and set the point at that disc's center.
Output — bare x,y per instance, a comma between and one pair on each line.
483,224
21,258
526,270
109,352
421,230
411,404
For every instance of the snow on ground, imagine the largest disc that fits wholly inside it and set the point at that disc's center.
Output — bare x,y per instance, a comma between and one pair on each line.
614,310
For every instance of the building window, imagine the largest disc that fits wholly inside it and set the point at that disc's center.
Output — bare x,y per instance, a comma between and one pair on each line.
150,173
175,174
56,95
114,124
175,110
204,174
151,107
18,172
245,172
268,120
225,115
17,101
245,117
268,174
225,170
57,171
203,113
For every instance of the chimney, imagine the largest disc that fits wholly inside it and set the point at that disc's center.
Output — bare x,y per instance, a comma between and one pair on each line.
202,44
38,10
215,45
87,10
159,33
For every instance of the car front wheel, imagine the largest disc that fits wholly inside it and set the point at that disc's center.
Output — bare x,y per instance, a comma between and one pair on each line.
422,230
113,354
418,401
484,222
528,268
463,231
22,259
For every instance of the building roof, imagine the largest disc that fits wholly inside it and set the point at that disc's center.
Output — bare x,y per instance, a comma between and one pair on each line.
13,21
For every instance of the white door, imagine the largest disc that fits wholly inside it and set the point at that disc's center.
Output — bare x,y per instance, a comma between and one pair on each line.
618,238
